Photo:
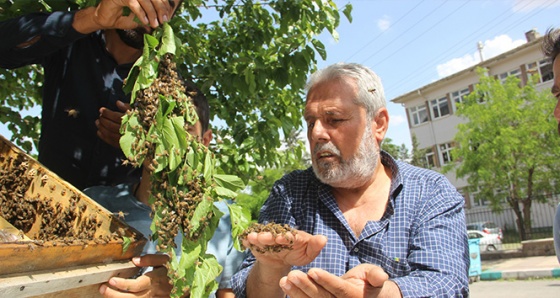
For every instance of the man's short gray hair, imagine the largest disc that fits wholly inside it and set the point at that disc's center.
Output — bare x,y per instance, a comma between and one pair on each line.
369,88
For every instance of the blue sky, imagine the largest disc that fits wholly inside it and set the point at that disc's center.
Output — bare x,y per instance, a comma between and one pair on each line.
410,43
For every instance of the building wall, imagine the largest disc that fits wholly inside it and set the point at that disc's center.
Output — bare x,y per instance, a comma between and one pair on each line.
439,131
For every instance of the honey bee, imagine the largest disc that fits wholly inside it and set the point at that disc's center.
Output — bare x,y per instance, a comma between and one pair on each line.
72,113
121,214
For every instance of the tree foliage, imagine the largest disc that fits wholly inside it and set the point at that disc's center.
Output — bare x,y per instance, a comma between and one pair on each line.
251,58
418,156
396,151
415,156
260,187
508,149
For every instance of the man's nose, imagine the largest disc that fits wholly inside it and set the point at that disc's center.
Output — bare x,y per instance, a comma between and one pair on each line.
319,132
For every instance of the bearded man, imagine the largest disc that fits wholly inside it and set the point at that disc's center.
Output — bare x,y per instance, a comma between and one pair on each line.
367,224
86,55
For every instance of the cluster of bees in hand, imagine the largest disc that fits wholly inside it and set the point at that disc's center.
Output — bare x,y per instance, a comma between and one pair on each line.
58,224
273,228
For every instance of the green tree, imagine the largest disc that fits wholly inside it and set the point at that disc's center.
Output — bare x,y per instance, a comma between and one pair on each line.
396,151
260,187
508,149
418,156
252,58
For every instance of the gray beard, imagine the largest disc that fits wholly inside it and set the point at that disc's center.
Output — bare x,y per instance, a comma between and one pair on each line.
350,173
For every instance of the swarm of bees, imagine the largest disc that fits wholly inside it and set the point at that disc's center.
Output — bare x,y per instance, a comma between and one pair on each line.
58,223
273,228
176,203
173,204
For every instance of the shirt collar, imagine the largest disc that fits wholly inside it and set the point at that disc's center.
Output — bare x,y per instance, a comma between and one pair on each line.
396,176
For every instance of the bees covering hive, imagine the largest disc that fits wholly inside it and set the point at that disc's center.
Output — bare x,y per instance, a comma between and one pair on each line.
46,223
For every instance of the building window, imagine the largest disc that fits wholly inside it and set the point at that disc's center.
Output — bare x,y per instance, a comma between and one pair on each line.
503,76
445,153
418,115
478,199
440,107
430,161
459,96
543,68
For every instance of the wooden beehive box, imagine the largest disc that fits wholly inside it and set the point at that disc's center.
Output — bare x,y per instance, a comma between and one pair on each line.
91,235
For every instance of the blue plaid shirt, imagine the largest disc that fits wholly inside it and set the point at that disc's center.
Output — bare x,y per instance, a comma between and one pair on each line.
421,240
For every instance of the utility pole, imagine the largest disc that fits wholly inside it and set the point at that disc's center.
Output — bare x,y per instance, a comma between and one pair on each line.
480,46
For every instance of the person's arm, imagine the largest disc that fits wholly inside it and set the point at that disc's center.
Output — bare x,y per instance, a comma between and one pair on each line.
260,273
365,280
225,293
109,125
152,284
270,267
27,39
440,258
108,14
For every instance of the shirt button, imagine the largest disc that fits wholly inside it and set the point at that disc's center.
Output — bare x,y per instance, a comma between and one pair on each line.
356,249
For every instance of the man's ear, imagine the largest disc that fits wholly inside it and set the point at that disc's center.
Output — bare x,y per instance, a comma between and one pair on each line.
381,124
207,137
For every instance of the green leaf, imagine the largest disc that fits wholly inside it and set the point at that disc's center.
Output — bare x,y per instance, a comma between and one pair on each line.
200,213
208,166
126,244
231,182
171,144
205,281
320,48
130,81
179,126
168,41
225,192
126,141
161,157
190,252
240,220
347,11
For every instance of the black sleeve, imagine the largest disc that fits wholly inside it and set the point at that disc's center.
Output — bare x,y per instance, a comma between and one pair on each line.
27,39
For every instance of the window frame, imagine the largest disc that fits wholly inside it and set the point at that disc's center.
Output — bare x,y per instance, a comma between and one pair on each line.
416,113
437,104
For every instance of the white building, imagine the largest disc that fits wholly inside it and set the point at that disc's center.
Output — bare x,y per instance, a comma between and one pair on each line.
431,109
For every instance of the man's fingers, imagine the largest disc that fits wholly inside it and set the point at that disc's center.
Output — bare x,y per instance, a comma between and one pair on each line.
374,275
152,12
150,260
108,126
123,107
110,115
298,285
139,285
331,283
316,244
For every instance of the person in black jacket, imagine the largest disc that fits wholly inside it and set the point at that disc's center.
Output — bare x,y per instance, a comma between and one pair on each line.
85,55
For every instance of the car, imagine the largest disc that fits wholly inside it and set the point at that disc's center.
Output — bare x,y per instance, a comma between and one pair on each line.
488,242
487,227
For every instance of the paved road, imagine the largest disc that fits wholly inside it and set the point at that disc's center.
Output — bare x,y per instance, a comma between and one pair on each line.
516,288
